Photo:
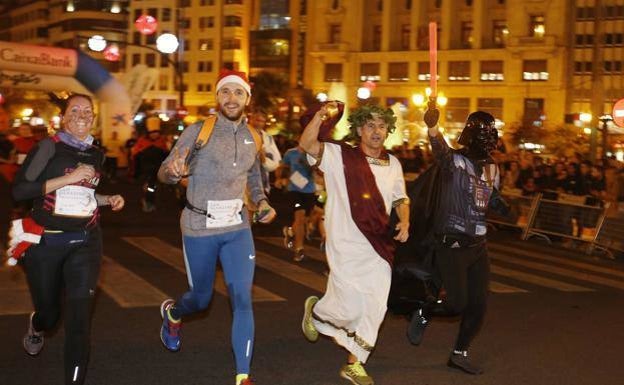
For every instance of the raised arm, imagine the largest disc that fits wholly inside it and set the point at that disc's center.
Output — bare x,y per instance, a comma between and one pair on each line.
309,138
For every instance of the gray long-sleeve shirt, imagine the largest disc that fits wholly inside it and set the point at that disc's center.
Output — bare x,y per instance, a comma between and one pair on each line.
219,171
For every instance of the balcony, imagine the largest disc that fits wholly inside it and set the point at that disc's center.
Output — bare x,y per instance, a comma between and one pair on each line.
336,47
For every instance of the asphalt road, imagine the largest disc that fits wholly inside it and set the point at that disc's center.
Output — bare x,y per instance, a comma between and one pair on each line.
554,317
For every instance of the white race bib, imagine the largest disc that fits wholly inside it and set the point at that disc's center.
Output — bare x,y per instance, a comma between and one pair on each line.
75,201
21,158
298,180
224,213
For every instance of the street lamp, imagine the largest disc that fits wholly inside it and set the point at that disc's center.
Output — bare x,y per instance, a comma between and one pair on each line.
166,43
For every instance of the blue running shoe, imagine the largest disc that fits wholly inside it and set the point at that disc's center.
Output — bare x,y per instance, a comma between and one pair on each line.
170,330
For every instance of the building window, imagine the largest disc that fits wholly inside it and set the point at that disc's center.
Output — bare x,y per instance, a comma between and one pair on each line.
150,39
534,70
466,34
233,21
164,61
166,14
204,66
376,37
206,2
581,67
204,87
459,71
492,105
398,72
136,38
206,22
136,59
457,109
231,44
585,13
163,82
537,26
405,36
205,44
613,39
150,60
499,32
231,65
492,70
583,40
369,72
334,33
613,66
333,72
423,71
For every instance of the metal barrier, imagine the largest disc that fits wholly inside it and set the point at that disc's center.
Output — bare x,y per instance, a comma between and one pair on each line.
611,235
551,215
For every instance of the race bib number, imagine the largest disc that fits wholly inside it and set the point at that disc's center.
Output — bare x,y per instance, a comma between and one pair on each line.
75,201
224,213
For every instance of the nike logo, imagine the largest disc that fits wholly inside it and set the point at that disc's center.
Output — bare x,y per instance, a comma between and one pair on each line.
251,256
246,141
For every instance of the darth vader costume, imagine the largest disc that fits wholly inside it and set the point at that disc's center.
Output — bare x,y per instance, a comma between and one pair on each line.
446,248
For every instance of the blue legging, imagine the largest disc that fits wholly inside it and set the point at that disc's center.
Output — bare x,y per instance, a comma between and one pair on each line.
235,250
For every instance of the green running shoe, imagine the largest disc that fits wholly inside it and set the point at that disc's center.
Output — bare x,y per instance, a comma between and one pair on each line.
309,331
356,374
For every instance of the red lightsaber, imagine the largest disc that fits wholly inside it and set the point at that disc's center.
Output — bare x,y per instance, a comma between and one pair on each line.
433,58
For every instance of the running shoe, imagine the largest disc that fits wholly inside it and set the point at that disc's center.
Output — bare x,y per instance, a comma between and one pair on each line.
307,326
247,381
459,360
289,240
33,340
416,328
299,255
356,374
170,329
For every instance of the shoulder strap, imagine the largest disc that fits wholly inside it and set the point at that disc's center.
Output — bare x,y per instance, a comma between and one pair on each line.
205,131
257,138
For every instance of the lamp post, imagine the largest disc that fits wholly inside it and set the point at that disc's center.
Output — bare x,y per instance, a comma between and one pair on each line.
605,119
166,43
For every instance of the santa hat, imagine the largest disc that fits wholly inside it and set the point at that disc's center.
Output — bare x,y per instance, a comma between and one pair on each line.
230,76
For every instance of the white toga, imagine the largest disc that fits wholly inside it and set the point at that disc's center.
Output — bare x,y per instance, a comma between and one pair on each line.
354,304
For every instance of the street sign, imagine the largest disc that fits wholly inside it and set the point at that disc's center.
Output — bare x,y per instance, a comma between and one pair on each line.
618,113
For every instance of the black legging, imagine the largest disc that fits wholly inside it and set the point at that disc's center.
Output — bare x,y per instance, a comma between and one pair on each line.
49,269
465,274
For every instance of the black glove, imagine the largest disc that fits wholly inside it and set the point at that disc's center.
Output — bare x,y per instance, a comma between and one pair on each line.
432,115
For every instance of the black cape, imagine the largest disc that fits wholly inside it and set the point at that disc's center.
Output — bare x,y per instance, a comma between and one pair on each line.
414,278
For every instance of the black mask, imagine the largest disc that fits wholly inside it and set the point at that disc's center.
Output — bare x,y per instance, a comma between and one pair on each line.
479,136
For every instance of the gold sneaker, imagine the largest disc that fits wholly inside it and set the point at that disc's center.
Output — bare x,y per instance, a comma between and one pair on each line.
356,374
309,331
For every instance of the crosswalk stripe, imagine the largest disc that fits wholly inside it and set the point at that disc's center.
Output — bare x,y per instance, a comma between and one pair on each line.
127,288
174,257
14,294
560,270
566,261
292,272
536,280
495,287
309,251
